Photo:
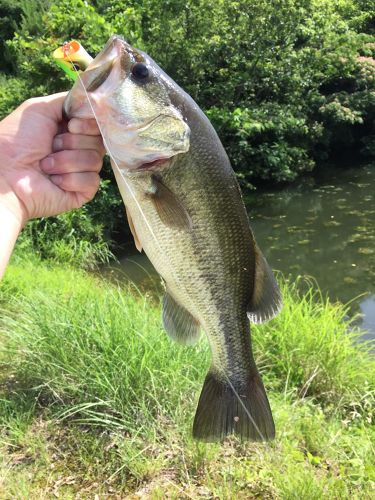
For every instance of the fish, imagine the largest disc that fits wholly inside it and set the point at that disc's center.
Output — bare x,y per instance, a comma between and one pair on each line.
186,212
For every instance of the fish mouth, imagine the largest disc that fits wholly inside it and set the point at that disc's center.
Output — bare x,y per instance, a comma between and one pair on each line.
114,60
114,48
113,56
116,53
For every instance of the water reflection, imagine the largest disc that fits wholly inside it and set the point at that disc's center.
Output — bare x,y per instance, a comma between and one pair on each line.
137,270
367,307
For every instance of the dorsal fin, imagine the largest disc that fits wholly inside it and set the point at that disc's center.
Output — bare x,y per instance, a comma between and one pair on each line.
266,301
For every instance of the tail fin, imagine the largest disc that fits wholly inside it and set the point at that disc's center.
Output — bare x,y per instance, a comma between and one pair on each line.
227,407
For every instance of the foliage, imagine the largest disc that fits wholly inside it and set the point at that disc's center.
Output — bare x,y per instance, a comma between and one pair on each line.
263,71
13,90
89,372
10,15
266,61
80,237
287,83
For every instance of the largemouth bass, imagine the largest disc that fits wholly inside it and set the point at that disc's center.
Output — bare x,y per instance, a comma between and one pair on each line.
185,211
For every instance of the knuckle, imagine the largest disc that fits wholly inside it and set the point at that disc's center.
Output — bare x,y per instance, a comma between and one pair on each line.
94,157
86,126
69,141
89,195
67,183
93,187
80,126
67,161
31,101
79,202
62,159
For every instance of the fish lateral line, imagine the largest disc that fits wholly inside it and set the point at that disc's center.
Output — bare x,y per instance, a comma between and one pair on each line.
260,424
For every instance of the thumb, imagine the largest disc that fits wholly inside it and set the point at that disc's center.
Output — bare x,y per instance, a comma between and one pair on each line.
50,105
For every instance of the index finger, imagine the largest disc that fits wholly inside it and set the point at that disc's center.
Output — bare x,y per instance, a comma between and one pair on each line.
83,126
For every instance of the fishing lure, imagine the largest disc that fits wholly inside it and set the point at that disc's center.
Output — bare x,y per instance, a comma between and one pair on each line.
72,58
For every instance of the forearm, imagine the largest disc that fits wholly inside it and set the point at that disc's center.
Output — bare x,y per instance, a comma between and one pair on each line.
9,231
10,227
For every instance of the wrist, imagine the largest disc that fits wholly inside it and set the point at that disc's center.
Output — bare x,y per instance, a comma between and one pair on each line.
11,205
10,227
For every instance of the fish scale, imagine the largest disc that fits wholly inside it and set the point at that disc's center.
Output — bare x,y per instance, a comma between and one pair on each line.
218,300
186,211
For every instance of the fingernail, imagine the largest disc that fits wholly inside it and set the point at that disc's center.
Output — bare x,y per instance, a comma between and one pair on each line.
48,163
74,126
56,179
57,144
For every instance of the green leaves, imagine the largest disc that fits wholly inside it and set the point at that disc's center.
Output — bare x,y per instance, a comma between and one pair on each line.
286,83
276,78
269,141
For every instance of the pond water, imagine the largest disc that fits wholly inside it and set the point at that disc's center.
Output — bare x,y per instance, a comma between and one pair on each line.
322,227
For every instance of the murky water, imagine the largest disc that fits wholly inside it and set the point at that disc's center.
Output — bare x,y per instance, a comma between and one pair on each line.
322,227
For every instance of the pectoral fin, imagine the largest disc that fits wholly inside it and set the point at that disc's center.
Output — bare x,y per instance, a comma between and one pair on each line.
169,208
266,301
178,322
137,242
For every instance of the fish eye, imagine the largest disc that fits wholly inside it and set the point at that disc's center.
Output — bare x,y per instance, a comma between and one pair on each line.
140,71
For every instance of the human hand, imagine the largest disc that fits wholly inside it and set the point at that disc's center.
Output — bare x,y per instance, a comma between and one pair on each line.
47,166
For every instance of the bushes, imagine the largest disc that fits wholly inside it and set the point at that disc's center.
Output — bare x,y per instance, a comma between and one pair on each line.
273,76
81,237
286,83
273,63
270,139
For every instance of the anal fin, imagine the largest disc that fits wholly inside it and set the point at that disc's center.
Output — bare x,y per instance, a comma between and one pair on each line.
178,322
266,301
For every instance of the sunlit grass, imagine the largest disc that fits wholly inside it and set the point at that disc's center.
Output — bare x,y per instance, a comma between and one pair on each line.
313,350
87,364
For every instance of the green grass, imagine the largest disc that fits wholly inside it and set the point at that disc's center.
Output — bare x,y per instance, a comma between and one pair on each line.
95,399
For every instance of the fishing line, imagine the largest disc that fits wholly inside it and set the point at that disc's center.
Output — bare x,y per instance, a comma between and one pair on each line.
111,155
162,252
150,228
244,407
